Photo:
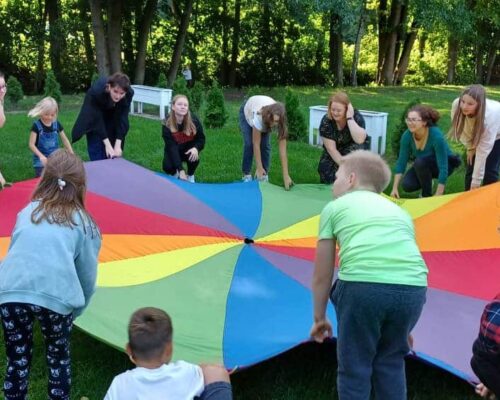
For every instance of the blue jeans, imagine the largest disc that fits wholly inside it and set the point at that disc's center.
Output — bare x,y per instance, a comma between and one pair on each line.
424,169
490,169
265,145
374,321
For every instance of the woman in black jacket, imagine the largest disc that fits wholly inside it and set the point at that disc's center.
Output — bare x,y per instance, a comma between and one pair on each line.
184,140
104,117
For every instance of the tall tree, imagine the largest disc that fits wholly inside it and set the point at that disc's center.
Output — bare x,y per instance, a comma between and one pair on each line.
56,38
235,43
183,18
101,47
144,25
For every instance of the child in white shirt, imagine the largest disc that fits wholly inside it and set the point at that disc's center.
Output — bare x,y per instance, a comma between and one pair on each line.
150,348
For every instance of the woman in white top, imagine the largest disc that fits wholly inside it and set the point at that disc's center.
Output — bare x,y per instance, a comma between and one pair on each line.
476,124
258,116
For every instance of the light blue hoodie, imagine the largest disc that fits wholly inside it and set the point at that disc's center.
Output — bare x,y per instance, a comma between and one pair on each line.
51,265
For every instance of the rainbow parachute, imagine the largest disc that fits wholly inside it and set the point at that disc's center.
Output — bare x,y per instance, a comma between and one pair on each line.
232,263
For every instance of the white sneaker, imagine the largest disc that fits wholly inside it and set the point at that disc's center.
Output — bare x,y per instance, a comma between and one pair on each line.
247,178
190,178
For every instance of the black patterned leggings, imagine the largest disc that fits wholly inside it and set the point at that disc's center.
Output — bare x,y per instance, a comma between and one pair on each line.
17,321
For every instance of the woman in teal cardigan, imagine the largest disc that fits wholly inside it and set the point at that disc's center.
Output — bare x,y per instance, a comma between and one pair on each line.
424,142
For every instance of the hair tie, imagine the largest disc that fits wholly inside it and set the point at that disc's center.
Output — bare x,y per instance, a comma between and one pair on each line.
61,182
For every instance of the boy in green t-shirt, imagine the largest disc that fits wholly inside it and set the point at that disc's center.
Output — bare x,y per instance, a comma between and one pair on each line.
382,281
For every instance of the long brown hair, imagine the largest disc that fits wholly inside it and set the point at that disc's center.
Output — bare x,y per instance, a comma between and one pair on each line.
478,93
171,123
61,191
338,97
268,113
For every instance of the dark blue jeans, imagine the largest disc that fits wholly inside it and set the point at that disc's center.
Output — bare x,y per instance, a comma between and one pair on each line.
265,145
17,321
490,169
423,170
374,321
96,148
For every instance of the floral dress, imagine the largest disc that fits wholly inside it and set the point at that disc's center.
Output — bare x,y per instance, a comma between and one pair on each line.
344,141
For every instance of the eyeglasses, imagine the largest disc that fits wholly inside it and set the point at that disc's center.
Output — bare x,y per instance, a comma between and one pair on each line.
412,120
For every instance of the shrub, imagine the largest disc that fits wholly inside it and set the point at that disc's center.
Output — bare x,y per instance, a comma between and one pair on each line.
15,90
197,93
180,87
297,127
162,81
215,113
52,87
401,127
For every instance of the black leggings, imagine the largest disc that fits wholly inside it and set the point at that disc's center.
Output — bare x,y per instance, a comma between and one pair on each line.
17,321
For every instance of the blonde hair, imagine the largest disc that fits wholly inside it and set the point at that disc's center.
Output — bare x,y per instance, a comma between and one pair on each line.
478,93
338,97
370,169
171,122
45,105
61,191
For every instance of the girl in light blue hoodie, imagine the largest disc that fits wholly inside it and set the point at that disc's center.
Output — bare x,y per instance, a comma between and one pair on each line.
48,274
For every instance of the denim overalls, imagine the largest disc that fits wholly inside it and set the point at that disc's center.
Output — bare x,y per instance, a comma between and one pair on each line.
47,142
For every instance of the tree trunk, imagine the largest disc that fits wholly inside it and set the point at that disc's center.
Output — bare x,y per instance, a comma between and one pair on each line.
357,44
452,59
490,61
479,63
101,47
387,74
383,37
56,38
179,42
83,6
40,35
224,62
129,30
236,43
320,50
115,35
336,53
404,59
421,44
142,40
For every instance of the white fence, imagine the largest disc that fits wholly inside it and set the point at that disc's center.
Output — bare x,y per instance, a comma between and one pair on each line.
376,127
151,95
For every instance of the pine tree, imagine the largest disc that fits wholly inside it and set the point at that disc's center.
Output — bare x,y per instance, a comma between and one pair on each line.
15,91
401,127
215,113
180,87
162,80
52,87
197,93
297,128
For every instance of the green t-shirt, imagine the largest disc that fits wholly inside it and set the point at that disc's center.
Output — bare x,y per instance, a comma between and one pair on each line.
376,239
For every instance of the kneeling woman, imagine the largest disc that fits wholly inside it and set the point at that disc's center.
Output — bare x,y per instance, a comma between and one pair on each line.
184,140
425,142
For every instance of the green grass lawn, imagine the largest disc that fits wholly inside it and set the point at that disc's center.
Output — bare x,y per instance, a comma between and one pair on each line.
307,372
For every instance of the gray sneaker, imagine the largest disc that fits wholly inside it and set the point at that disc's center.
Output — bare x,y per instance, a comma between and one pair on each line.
247,178
190,178
265,178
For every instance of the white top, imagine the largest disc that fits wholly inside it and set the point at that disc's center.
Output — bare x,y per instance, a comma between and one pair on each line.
174,381
252,110
187,74
490,135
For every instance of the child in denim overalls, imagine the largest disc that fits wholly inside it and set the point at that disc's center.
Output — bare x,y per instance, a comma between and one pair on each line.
45,133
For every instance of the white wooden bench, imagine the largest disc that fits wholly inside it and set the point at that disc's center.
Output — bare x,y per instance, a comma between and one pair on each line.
376,127
151,95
